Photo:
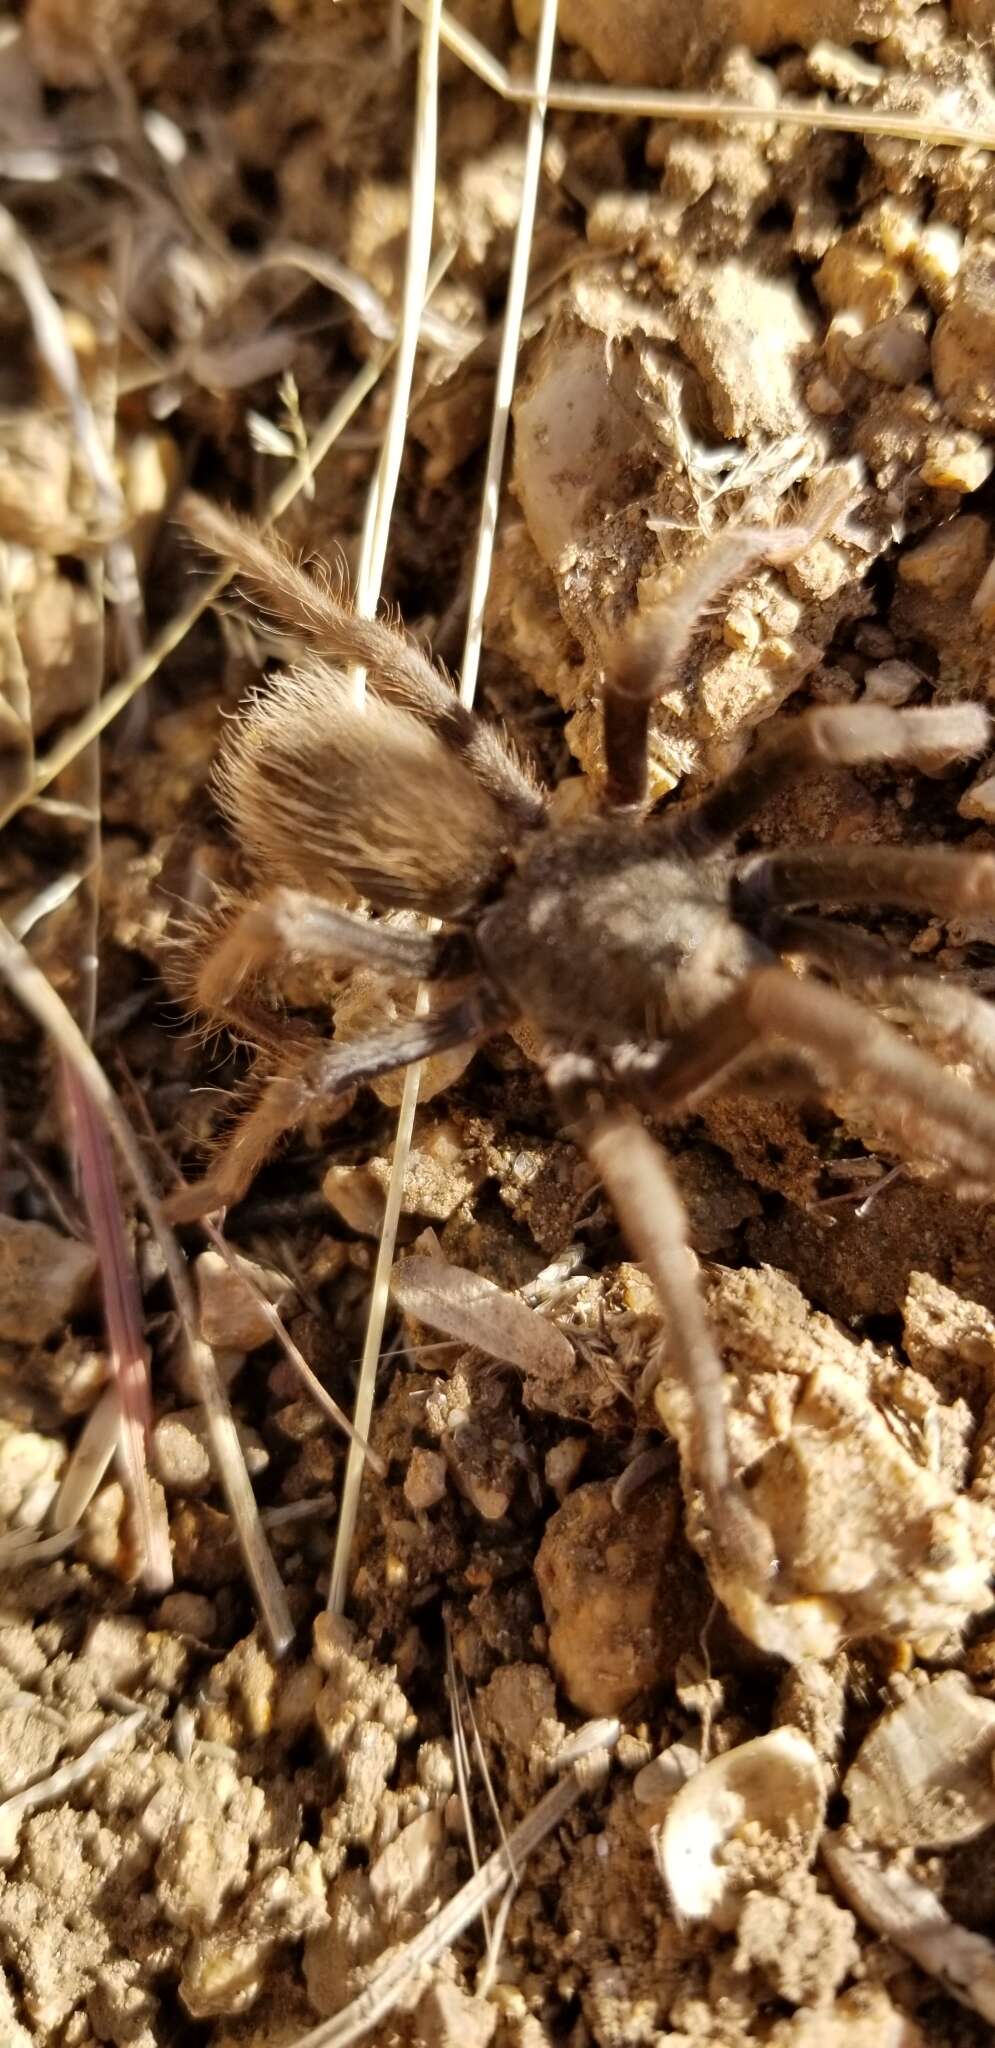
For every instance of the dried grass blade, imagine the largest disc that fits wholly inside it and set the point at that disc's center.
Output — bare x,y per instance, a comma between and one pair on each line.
31,988
93,1451
123,1319
34,1549
318,1392
892,1901
115,700
19,261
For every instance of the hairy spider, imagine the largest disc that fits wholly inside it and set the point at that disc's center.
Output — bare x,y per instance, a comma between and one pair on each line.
587,930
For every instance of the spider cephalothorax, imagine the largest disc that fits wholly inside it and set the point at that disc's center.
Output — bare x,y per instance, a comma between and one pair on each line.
648,958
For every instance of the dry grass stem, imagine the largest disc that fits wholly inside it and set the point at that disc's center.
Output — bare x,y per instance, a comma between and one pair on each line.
19,261
92,1453
31,987
373,554
416,271
122,1315
643,102
71,744
317,1390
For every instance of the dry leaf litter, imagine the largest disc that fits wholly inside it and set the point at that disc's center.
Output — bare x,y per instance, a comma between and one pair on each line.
792,1844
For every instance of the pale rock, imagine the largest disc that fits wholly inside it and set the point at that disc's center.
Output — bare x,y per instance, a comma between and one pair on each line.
425,1479
957,461
964,341
406,1874
891,682
952,559
602,1579
188,1614
447,2017
911,1559
231,1315
574,436
743,334
854,277
180,1459
30,1468
922,1778
894,351
45,1278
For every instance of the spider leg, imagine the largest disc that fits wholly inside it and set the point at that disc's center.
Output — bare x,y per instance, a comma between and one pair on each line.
325,1076
850,1046
936,878
292,923
636,1174
820,740
647,657
962,1022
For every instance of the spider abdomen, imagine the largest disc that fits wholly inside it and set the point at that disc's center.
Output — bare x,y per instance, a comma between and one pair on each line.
601,937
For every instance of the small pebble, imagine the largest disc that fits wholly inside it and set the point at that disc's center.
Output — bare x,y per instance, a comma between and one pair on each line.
425,1479
45,1278
952,559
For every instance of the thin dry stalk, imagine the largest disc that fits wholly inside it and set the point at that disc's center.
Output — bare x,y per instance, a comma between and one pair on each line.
403,1964
92,1453
380,507
643,102
48,899
318,1392
122,1315
504,389
495,1934
115,570
461,1759
22,1546
31,988
419,252
115,700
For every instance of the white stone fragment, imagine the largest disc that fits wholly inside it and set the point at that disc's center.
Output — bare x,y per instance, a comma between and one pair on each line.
728,1824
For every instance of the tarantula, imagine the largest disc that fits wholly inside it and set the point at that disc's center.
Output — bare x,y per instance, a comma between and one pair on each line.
645,954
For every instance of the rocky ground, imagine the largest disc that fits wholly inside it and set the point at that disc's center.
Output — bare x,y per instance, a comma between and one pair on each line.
783,1823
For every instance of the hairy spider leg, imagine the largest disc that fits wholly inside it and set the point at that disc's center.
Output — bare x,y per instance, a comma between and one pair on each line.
635,1171
913,1095
323,1076
818,741
946,1010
